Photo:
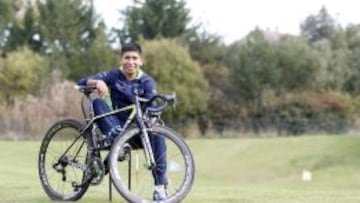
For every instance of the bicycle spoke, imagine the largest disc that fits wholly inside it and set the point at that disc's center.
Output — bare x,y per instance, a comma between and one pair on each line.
179,170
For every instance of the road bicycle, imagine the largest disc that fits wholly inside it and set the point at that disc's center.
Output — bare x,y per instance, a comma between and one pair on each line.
70,156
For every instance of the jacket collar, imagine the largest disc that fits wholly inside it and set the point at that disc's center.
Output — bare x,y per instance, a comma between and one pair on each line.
140,73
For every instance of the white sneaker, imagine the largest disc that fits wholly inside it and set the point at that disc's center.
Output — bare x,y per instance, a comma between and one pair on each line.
159,193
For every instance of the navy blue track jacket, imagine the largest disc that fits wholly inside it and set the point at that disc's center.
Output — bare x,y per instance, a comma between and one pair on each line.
120,88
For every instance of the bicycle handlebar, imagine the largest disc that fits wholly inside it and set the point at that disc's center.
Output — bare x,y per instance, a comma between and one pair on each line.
164,98
85,89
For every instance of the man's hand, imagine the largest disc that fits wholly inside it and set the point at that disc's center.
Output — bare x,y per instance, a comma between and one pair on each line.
102,88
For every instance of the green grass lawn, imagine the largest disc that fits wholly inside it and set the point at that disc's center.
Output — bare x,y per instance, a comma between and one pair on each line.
227,170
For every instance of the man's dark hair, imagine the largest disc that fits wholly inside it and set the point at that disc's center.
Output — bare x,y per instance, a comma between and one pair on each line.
131,47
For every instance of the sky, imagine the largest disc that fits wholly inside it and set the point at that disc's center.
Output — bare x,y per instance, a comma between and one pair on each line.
234,19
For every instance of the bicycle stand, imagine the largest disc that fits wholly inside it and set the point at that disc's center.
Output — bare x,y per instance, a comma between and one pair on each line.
110,188
129,177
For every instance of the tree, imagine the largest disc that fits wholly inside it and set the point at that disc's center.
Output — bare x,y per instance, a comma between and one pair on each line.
298,65
154,18
320,26
170,64
221,111
8,10
352,33
205,47
209,50
71,34
334,67
99,56
23,31
60,30
264,66
66,25
253,66
329,39
67,33
352,84
5,13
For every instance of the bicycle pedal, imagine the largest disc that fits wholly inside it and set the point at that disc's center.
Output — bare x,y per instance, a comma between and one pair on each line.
104,144
126,153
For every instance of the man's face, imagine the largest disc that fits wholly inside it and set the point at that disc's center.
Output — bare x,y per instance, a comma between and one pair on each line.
131,61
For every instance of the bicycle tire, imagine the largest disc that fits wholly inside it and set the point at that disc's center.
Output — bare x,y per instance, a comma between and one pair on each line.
48,149
179,164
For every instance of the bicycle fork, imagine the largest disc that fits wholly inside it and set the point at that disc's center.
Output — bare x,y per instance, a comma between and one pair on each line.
149,155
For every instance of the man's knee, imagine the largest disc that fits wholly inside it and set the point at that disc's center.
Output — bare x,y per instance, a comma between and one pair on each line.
100,106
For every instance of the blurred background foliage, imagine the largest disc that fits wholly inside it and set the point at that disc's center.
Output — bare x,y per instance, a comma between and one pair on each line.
264,82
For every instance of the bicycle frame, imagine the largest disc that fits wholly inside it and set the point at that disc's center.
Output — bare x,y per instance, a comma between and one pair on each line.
135,114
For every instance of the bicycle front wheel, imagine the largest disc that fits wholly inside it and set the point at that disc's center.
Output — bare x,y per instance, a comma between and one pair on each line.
134,179
62,161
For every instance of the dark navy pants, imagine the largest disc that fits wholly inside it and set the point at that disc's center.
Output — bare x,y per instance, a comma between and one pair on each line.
157,142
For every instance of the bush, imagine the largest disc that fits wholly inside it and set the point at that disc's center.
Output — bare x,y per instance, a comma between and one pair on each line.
307,112
170,64
21,72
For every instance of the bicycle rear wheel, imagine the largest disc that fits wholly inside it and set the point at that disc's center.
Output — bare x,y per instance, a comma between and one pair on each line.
132,177
62,161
